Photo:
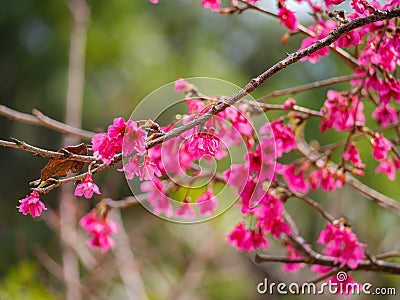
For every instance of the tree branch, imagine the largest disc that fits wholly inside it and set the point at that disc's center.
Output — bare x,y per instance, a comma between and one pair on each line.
39,119
289,60
308,86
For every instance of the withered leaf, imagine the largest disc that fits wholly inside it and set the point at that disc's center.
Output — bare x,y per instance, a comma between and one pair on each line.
59,167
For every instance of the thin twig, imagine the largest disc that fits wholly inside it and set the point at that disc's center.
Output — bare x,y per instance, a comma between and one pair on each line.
39,119
45,153
308,86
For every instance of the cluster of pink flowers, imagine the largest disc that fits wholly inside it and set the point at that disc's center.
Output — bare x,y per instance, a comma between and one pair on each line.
121,136
32,205
380,151
268,214
100,228
342,244
341,111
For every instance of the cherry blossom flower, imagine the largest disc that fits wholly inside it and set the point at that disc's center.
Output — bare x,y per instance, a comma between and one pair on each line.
148,169
342,244
157,197
269,214
287,18
387,166
341,111
353,155
207,203
211,4
181,85
185,211
245,239
351,38
154,1
194,106
321,30
132,168
32,205
127,136
285,140
289,103
381,146
100,228
87,188
294,179
385,115
328,3
203,143
292,254
346,286
325,179
103,147
134,139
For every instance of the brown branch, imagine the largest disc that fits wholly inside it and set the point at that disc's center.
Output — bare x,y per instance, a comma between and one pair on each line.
263,107
308,86
58,182
289,60
349,59
45,153
125,202
382,200
39,119
313,258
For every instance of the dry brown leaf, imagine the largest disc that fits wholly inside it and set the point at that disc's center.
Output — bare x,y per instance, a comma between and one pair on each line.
59,167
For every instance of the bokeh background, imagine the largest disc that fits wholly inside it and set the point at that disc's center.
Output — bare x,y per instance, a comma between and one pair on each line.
134,47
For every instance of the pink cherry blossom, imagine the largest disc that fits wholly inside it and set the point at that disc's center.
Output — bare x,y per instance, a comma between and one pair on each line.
181,85
351,38
32,205
157,197
341,111
345,287
328,3
294,178
100,228
211,4
387,166
185,211
245,239
353,155
103,147
385,115
134,139
285,140
203,143
380,146
87,188
207,203
149,169
154,1
342,244
321,30
325,179
269,214
194,106
292,254
289,103
132,168
287,18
